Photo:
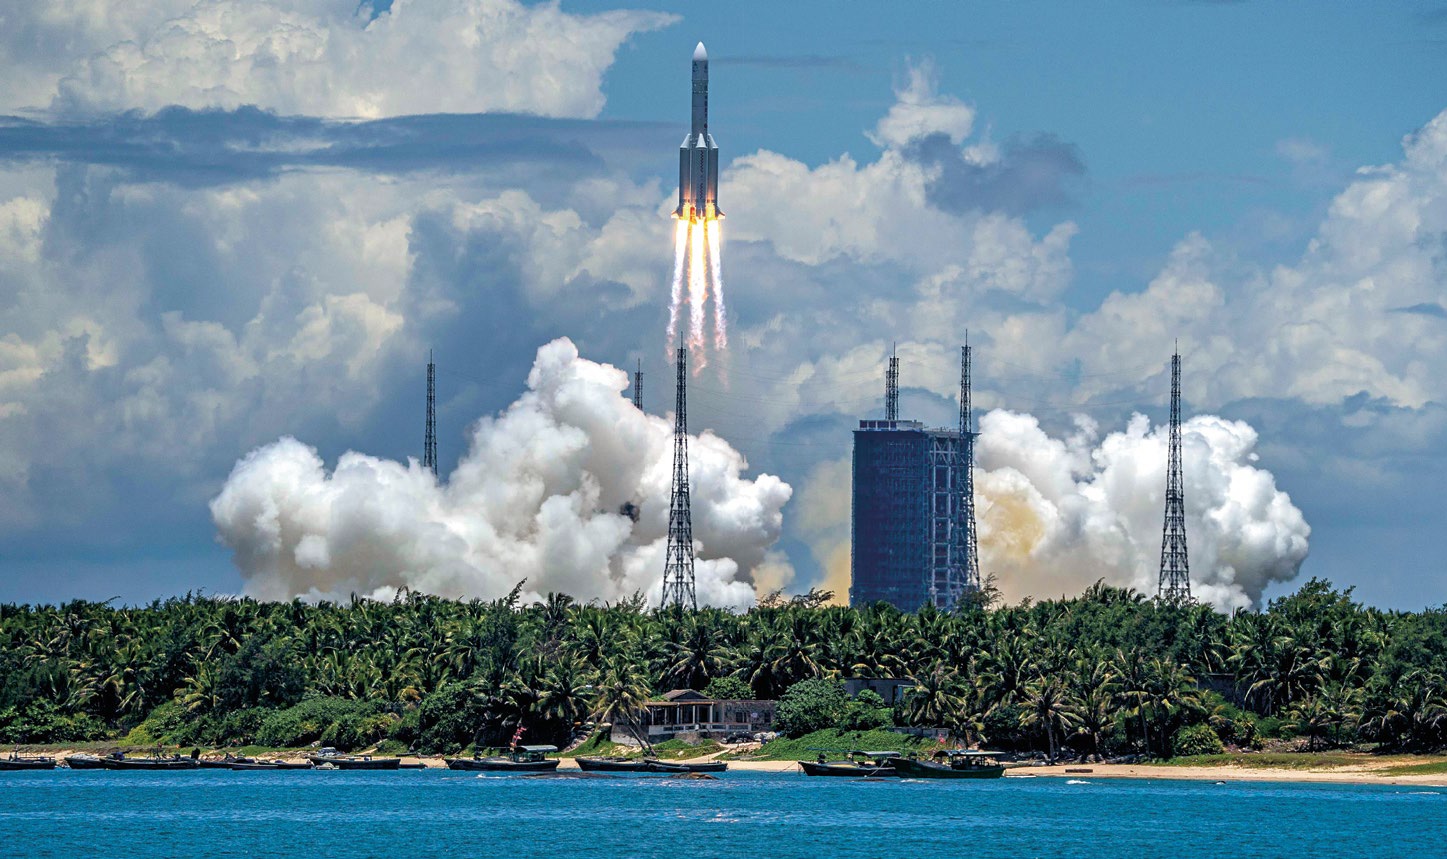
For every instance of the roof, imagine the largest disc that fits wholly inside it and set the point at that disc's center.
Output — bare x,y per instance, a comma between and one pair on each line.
685,695
542,749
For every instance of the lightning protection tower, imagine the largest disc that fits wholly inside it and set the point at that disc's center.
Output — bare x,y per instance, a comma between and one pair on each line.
891,388
969,551
678,564
429,442
1175,582
638,386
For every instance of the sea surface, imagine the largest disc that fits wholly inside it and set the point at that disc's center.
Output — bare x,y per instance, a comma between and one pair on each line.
437,813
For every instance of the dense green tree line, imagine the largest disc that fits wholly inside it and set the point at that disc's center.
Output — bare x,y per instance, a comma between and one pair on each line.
1109,672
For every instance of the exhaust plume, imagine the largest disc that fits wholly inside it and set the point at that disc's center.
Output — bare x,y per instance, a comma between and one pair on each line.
567,488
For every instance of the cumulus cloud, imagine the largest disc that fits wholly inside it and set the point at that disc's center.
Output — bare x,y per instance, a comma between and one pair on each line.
548,492
321,57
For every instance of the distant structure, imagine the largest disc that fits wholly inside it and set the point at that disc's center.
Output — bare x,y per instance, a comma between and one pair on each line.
969,551
912,532
1175,582
678,563
638,386
429,441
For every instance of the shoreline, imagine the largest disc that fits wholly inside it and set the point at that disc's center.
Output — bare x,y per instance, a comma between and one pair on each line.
1365,773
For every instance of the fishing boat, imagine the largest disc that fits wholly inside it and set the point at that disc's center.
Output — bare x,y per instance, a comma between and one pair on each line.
119,761
356,762
952,763
271,765
856,764
522,759
83,762
17,762
657,766
612,765
225,763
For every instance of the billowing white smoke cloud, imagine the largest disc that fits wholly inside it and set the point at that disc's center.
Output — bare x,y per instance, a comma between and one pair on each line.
541,495
1058,514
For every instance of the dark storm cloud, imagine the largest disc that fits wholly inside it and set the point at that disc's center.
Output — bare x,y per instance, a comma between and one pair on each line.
214,147
1031,173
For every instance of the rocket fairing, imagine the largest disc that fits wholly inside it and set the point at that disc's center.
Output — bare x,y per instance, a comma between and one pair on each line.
698,156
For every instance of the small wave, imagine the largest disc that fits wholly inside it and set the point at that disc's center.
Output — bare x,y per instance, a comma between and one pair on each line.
1076,781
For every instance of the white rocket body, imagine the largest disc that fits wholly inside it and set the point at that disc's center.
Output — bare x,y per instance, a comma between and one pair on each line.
698,156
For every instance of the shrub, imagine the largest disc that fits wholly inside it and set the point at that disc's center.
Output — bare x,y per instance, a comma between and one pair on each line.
1196,740
40,721
314,719
728,689
165,724
810,705
240,727
866,712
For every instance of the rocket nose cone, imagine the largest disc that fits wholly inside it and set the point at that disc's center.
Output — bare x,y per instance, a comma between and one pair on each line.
699,53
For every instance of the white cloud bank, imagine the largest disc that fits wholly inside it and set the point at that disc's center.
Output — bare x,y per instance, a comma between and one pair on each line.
314,57
538,496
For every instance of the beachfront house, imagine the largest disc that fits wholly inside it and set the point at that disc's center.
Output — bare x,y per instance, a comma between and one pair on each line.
688,714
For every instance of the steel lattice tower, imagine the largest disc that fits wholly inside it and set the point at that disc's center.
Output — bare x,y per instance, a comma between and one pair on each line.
970,550
429,442
1175,582
891,388
678,565
638,386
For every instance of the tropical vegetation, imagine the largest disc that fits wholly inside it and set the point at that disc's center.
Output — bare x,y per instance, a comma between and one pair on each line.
1110,672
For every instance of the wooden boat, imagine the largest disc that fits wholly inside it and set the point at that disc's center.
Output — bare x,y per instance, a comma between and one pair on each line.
225,763
357,762
83,762
657,766
528,759
855,765
16,762
612,765
954,763
271,765
119,762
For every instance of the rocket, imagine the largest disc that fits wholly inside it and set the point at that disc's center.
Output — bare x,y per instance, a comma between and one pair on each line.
698,156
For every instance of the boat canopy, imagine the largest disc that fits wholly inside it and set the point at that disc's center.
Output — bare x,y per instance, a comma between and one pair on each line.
542,750
876,754
971,752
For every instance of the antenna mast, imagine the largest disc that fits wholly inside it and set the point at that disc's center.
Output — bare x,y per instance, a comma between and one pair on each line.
638,386
678,564
1175,581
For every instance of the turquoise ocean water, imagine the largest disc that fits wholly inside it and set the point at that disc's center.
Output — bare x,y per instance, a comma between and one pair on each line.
438,813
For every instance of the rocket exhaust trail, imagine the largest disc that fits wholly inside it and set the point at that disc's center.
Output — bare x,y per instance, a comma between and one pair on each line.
715,261
697,294
680,258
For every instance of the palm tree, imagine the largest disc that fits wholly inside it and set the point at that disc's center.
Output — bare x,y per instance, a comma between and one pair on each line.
620,695
935,699
1048,705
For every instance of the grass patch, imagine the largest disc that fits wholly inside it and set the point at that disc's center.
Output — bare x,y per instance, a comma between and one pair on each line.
599,745
1428,768
679,750
806,747
1271,760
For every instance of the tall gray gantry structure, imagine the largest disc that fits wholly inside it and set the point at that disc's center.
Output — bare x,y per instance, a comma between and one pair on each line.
638,386
429,441
911,533
678,563
1175,582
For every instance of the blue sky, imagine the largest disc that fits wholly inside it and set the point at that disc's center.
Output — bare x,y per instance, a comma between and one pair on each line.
201,255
